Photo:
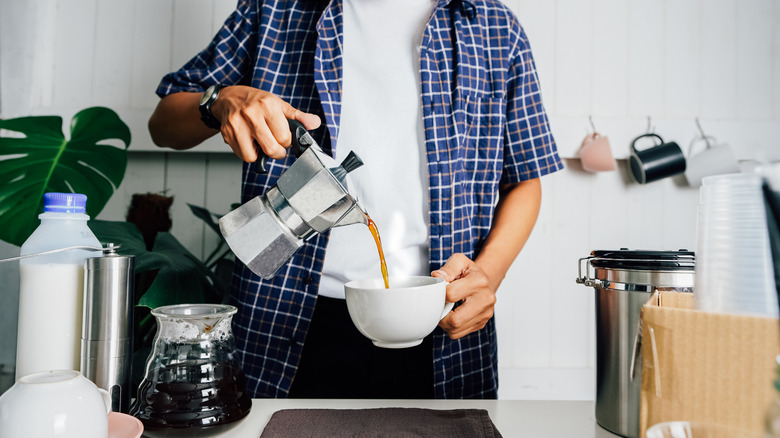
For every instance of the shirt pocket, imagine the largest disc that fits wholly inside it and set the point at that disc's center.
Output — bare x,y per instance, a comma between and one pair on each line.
480,120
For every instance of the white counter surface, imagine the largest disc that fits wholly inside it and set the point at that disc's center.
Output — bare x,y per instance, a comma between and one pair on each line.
513,418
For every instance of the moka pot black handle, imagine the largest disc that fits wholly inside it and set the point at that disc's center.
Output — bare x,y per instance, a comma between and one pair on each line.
301,140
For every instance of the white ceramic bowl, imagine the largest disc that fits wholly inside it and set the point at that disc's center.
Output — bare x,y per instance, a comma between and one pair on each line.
399,317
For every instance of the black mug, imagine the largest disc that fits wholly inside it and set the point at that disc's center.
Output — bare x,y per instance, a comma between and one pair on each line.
657,162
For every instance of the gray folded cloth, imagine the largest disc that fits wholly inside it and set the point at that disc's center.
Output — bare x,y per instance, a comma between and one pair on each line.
380,422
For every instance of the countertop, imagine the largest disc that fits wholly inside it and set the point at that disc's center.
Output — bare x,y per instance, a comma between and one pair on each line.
513,418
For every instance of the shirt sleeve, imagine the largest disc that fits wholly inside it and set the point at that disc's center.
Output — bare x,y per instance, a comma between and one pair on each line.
530,149
225,60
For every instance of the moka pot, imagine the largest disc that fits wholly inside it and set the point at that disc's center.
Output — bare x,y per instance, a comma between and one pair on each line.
312,196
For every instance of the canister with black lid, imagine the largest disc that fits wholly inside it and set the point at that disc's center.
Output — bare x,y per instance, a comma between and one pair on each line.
624,280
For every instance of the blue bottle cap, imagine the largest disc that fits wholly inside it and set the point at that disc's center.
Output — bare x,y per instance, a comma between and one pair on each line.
64,203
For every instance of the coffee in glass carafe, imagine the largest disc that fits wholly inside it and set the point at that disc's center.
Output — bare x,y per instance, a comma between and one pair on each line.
193,385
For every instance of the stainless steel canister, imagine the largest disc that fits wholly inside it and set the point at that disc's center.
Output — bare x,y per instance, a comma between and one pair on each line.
624,280
107,332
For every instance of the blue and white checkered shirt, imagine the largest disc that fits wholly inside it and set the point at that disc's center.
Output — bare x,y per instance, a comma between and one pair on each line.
485,126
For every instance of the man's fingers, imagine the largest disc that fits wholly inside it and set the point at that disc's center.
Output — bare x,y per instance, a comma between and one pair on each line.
461,321
309,121
280,130
266,140
243,145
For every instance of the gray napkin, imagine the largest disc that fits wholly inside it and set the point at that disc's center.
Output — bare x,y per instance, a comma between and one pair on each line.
381,422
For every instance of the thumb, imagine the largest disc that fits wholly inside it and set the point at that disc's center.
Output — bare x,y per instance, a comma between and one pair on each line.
441,273
453,269
309,121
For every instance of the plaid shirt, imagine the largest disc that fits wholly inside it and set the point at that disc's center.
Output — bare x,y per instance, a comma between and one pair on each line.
484,126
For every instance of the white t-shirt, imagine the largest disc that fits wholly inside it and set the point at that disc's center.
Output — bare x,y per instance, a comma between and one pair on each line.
381,120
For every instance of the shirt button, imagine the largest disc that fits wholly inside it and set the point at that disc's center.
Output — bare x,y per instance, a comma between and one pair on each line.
307,279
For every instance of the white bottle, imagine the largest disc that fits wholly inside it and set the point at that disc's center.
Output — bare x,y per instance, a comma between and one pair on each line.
51,287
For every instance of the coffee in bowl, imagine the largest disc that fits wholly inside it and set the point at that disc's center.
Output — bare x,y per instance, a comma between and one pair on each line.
399,316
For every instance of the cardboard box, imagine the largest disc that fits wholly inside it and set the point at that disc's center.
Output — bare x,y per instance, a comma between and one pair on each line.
707,367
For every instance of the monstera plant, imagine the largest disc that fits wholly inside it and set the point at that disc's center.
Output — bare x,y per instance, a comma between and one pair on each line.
35,158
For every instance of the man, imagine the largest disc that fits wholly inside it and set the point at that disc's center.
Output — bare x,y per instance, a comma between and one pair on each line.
440,99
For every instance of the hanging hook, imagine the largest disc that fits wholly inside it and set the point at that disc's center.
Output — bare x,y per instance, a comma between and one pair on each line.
650,128
701,132
590,119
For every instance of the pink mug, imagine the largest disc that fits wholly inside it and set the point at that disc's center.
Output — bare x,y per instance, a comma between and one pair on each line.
596,153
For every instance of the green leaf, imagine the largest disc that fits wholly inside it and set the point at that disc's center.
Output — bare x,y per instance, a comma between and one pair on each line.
181,277
206,216
124,234
35,158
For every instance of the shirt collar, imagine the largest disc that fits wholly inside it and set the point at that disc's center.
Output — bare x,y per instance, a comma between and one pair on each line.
466,6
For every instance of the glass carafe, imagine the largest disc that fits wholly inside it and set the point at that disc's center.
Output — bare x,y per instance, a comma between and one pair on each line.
193,385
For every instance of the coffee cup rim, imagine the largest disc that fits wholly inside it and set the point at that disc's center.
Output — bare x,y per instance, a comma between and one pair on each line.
370,283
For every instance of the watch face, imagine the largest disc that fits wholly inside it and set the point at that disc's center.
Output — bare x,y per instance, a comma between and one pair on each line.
206,95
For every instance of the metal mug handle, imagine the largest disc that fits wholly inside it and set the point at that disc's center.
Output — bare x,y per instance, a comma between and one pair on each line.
708,141
301,140
633,143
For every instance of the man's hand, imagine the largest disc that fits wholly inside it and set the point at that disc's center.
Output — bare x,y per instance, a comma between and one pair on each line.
251,117
469,283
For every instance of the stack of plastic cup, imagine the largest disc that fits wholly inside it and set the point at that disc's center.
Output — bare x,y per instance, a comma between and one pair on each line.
734,270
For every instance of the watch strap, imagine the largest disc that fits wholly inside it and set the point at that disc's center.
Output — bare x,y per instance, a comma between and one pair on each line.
205,108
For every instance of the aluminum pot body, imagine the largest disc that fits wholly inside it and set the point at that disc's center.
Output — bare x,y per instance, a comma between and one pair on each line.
623,281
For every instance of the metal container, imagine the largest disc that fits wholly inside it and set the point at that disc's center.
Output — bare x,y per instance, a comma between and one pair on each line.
107,332
624,280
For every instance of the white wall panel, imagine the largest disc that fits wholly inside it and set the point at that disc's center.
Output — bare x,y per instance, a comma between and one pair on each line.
645,208
645,58
152,22
718,78
18,43
754,59
571,219
111,73
608,224
221,10
145,173
538,20
680,215
192,29
776,57
186,182
525,294
74,53
223,188
681,47
573,55
609,59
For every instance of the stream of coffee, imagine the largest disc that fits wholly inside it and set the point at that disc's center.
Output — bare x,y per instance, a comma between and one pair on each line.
383,264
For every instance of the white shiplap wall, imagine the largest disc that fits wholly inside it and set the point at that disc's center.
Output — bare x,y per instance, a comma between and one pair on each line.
617,61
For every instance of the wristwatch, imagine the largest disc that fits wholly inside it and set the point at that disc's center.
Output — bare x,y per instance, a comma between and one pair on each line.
206,100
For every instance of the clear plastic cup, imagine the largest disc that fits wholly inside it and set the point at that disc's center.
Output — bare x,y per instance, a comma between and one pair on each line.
734,271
